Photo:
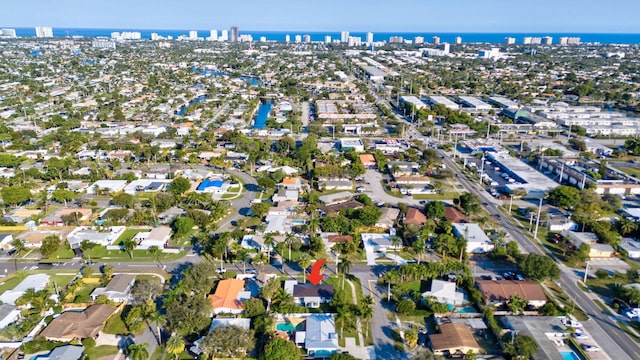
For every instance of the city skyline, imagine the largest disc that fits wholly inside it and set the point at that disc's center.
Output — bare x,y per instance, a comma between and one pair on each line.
358,15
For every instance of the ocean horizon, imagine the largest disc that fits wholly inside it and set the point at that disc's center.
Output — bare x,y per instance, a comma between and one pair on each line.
467,37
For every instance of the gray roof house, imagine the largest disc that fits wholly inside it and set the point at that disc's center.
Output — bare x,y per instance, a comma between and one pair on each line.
117,290
321,339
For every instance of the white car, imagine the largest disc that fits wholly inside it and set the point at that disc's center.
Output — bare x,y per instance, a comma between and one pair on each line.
580,336
221,270
590,348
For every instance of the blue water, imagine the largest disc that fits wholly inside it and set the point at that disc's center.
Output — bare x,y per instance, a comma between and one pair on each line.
250,79
288,327
377,36
260,120
466,310
569,355
194,101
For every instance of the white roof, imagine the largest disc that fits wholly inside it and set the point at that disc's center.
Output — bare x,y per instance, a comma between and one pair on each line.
475,102
321,333
633,212
37,282
244,323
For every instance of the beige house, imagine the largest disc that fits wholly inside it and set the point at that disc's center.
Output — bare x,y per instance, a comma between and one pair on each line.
453,339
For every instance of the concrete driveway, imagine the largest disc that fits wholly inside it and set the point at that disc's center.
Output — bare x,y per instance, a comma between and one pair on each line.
376,192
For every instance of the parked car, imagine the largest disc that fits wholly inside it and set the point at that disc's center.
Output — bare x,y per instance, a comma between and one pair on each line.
590,348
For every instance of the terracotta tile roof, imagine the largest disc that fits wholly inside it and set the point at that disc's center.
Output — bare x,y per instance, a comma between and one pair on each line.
453,336
414,216
367,158
79,325
226,294
290,181
502,290
454,216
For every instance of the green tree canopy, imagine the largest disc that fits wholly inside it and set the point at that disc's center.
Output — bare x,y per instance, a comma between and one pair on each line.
564,196
280,349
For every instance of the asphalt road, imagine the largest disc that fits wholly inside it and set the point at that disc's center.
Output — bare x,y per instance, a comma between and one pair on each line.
242,204
615,342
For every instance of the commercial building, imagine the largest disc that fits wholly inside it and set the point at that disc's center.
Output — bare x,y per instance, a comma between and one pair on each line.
525,176
441,100
44,32
596,249
351,144
474,103
417,103
503,102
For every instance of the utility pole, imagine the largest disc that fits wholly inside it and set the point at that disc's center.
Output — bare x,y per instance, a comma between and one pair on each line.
535,232
586,273
510,203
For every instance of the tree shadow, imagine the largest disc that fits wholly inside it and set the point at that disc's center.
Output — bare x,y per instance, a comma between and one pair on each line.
124,341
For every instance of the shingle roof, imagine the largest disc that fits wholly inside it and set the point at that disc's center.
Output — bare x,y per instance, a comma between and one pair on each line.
453,335
502,290
304,290
414,216
79,324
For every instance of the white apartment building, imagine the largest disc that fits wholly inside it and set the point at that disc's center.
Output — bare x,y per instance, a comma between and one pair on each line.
44,32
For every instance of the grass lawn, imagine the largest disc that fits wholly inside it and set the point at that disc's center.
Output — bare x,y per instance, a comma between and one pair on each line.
443,196
83,294
566,303
115,325
60,281
101,351
398,342
633,324
101,252
603,287
12,281
63,253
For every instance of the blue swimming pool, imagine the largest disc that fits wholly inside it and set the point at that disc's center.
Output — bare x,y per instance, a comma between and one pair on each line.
466,310
288,327
569,355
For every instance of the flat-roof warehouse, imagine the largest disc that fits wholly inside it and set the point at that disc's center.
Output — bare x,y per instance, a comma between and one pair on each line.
441,100
529,178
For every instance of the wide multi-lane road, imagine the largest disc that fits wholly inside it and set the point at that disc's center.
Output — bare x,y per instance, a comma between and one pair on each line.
604,329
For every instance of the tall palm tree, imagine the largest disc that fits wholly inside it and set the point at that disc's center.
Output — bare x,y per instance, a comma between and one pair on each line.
158,320
175,346
289,238
343,315
366,313
137,351
269,240
304,261
344,266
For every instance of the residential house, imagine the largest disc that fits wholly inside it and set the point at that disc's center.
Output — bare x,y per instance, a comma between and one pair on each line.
284,194
213,186
99,237
56,219
311,296
477,241
400,168
5,242
630,246
597,250
445,292
335,184
73,324
414,217
117,290
377,242
388,217
145,185
8,315
559,221
158,236
336,198
32,239
331,239
498,292
368,160
36,282
291,183
110,186
65,352
321,339
256,241
454,216
225,298
20,215
454,339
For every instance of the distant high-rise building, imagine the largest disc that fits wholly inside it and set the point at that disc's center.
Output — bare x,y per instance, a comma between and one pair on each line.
155,36
233,34
263,39
458,40
369,38
418,40
547,40
287,38
528,40
103,43
396,39
126,35
245,38
7,33
569,41
298,38
44,32
224,35
445,47
436,40
509,40
213,35
307,38
193,35
344,36
355,41
327,39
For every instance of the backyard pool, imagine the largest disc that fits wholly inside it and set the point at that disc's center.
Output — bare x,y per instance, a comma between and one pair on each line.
289,327
466,310
569,355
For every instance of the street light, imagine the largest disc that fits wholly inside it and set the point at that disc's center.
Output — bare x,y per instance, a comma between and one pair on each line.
586,273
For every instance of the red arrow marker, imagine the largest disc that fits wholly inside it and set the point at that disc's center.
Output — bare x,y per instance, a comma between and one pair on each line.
314,276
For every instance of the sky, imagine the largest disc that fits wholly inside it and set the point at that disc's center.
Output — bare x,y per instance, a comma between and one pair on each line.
516,16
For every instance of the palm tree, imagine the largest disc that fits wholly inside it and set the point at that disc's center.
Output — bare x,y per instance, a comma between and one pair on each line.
128,246
304,261
155,251
289,239
137,351
269,240
175,346
343,315
159,320
627,226
366,313
344,266
396,240
259,260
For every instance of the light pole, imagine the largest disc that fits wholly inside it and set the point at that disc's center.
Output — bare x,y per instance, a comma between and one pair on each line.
535,232
586,273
